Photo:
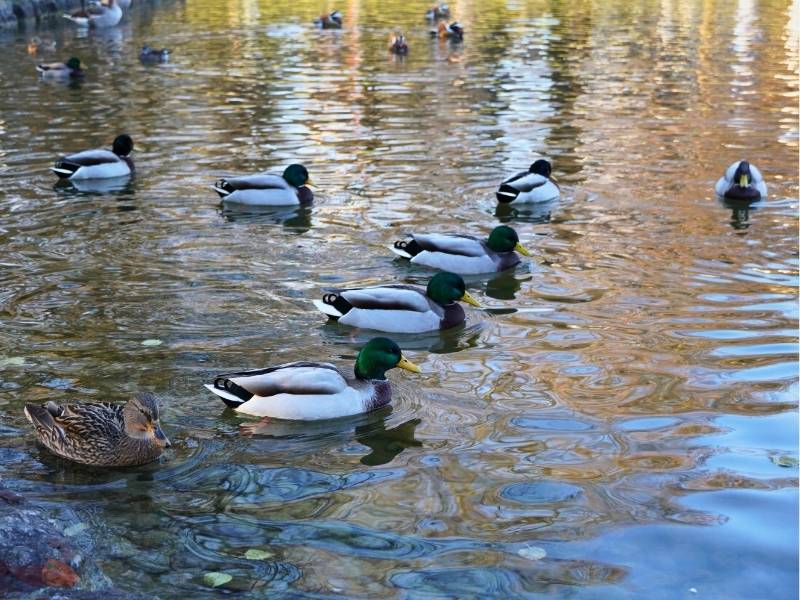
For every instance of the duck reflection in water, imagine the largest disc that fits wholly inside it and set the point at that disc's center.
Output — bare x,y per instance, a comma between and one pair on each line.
111,185
370,430
530,213
296,219
505,285
740,212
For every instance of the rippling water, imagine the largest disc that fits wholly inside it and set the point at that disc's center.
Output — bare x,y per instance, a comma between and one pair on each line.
628,400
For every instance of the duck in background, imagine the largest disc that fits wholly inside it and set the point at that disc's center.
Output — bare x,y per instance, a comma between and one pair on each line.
268,189
101,434
37,45
99,163
741,181
154,55
398,45
59,70
309,391
535,185
464,254
97,16
440,11
400,308
331,21
449,31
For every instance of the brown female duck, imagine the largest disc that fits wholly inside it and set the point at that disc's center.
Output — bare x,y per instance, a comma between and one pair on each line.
101,434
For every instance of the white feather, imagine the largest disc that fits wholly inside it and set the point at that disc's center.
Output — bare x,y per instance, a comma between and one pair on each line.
264,189
454,244
308,407
392,321
399,252
326,308
463,265
105,171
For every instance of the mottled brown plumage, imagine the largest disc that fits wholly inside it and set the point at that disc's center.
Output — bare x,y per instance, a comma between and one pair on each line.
101,434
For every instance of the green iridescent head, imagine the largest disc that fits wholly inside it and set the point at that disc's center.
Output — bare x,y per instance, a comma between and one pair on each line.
505,239
296,175
378,356
444,288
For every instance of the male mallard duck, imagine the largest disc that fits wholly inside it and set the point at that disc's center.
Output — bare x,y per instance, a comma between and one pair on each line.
267,189
101,434
309,391
450,31
97,16
398,45
37,44
331,21
534,186
464,254
98,164
401,308
741,181
153,55
71,68
440,11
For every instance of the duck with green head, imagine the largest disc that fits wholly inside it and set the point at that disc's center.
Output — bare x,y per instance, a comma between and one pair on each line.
309,391
396,308
268,189
463,254
61,70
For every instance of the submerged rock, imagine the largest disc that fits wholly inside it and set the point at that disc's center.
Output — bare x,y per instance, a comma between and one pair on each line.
47,552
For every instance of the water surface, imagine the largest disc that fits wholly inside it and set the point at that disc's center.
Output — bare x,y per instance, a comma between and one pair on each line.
626,402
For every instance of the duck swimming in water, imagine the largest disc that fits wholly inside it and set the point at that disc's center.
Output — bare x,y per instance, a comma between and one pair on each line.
401,308
464,254
101,434
98,164
535,185
70,69
308,391
398,45
268,189
741,181
97,16
331,21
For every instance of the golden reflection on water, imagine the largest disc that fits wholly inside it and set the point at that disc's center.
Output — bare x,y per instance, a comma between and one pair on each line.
627,401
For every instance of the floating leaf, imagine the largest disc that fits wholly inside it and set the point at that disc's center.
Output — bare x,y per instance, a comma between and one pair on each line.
785,460
75,529
13,361
215,579
255,554
532,552
152,342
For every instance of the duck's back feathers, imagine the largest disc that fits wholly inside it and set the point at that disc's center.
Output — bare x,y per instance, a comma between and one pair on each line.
462,254
527,187
92,164
461,245
264,189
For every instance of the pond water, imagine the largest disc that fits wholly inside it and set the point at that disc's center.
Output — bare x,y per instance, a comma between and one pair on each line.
620,421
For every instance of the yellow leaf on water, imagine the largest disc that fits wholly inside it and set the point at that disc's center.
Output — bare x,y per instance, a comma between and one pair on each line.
215,579
255,554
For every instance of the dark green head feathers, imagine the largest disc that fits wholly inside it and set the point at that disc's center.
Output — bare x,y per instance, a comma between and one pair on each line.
123,145
378,356
74,64
505,239
296,175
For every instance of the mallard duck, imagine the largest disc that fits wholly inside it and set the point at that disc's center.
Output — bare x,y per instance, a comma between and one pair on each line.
449,31
97,16
101,434
464,254
309,391
741,181
331,21
534,186
398,45
267,189
401,308
98,164
37,44
70,69
153,55
440,11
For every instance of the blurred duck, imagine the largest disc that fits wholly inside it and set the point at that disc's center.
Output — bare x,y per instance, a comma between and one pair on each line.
398,45
535,185
331,21
70,69
464,254
98,164
101,434
440,11
741,181
97,16
401,308
268,189
37,44
153,55
309,391
449,31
